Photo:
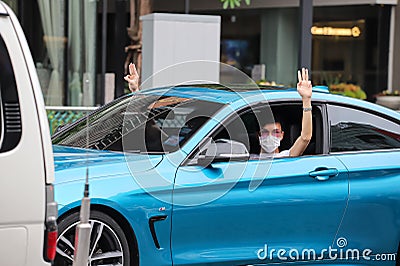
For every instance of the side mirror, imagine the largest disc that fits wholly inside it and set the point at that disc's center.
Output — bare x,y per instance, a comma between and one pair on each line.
223,150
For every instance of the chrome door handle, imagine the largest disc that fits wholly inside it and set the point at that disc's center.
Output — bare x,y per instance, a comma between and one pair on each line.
323,174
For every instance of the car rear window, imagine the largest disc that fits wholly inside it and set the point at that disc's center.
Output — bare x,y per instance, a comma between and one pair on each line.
357,130
141,123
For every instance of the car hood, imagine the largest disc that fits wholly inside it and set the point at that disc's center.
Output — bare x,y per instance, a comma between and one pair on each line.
71,163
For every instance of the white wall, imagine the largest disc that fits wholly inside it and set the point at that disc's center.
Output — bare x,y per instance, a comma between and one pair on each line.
172,40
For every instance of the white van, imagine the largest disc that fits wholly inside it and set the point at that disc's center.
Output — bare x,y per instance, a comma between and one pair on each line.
28,229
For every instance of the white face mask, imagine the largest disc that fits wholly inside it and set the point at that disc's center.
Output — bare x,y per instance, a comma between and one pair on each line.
270,143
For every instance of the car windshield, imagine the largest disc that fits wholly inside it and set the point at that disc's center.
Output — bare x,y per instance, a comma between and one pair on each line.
141,123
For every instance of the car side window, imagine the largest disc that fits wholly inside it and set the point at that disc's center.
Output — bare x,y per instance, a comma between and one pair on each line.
357,130
290,117
244,126
10,116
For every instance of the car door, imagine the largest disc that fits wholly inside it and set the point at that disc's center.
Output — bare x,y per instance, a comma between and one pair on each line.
221,218
368,143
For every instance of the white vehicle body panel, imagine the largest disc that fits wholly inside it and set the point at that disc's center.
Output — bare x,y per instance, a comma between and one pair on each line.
27,168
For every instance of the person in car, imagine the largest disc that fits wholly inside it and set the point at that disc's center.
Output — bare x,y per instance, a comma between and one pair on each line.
132,78
271,134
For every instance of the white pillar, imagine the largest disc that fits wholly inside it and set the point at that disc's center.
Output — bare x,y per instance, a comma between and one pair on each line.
171,39
391,48
396,53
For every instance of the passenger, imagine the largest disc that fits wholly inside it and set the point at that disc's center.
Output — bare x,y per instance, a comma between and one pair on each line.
132,78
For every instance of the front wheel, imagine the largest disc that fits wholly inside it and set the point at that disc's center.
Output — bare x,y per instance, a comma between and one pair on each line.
108,243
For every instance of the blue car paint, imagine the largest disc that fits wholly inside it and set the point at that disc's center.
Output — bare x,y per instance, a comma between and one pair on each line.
121,193
227,231
68,157
244,221
374,196
196,93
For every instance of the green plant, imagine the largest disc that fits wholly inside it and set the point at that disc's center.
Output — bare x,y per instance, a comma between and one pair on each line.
389,93
348,89
233,3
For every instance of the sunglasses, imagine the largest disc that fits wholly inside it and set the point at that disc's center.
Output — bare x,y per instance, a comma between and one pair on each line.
275,132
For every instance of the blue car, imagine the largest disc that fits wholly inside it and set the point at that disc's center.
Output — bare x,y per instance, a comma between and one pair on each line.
174,180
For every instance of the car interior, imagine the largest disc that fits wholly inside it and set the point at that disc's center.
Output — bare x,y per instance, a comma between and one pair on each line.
245,127
166,129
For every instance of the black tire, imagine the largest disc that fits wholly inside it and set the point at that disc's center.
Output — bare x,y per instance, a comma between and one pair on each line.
112,239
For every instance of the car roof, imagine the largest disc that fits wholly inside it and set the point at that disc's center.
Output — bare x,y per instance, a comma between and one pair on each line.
216,92
255,93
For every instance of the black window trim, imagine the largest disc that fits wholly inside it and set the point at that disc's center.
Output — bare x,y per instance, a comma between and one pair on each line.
2,13
364,151
11,117
364,109
242,110
2,121
358,108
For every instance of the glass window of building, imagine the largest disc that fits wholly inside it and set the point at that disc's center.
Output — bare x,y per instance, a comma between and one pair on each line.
62,37
351,47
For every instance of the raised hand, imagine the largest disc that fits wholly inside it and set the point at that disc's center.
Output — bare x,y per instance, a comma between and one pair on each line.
132,78
304,87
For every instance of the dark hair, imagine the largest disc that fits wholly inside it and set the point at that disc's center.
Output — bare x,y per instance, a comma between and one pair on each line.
269,119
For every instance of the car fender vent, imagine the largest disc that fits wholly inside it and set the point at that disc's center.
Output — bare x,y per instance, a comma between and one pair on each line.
152,220
12,118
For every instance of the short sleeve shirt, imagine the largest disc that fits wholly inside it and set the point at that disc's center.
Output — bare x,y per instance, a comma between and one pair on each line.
284,153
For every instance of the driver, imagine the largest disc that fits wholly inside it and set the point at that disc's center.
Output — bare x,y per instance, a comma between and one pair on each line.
271,133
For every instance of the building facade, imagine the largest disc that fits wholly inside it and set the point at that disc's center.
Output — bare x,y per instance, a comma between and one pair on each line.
353,41
74,43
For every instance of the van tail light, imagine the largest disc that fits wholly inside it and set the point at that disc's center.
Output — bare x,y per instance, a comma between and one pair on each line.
51,230
51,242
